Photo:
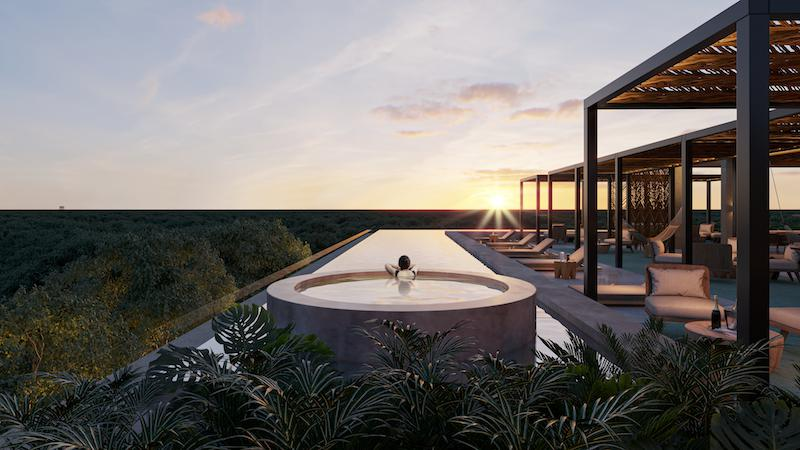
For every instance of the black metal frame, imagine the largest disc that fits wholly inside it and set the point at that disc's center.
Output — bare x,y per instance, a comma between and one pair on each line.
687,164
750,20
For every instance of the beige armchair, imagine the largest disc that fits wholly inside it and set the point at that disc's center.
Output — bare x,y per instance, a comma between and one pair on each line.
660,254
678,292
706,230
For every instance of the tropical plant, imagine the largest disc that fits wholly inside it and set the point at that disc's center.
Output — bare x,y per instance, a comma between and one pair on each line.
275,389
762,424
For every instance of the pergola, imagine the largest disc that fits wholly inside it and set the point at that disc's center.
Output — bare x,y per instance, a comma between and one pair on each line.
713,147
572,176
747,58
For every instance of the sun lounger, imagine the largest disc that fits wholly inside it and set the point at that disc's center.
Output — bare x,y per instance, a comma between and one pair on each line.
501,238
536,250
513,244
548,264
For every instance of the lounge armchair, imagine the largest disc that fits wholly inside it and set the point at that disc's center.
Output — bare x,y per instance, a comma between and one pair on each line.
513,244
790,263
678,292
660,254
537,250
706,230
548,264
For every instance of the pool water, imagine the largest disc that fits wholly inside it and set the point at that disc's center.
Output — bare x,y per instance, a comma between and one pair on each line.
391,291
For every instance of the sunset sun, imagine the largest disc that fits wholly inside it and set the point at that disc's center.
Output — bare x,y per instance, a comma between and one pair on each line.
497,201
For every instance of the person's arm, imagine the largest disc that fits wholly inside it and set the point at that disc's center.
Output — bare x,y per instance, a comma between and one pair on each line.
413,270
392,269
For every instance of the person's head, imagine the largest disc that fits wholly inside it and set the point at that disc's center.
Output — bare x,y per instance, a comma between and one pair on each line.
404,262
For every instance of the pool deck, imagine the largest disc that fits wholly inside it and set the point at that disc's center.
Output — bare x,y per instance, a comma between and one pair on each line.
577,312
562,304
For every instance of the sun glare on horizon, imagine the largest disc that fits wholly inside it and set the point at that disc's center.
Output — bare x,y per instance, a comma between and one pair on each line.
497,201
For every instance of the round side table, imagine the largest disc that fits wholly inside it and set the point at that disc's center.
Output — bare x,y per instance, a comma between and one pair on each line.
702,328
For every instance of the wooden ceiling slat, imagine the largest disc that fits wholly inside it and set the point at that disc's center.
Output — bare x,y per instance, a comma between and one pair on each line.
708,76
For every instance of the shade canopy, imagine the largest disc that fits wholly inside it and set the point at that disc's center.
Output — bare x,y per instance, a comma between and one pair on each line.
699,70
709,147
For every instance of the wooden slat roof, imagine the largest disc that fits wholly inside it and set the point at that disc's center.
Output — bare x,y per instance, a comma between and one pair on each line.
709,146
708,77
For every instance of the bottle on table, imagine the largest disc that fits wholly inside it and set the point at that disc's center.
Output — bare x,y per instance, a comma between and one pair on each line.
715,316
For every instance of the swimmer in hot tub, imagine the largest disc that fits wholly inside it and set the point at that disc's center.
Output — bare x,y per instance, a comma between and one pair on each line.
403,269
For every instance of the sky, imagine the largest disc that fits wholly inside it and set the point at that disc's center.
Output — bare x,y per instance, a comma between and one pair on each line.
361,104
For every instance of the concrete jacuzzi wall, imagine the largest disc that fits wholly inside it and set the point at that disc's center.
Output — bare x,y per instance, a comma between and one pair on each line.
505,323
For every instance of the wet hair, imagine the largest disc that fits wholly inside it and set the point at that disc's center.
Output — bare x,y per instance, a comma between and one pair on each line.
404,262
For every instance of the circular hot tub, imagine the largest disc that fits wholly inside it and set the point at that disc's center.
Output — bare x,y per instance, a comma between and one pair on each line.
498,311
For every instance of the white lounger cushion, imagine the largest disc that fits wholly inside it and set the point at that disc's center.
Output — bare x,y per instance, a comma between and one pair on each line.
678,307
543,245
686,283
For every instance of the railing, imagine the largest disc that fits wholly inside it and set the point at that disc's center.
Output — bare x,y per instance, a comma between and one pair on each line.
203,313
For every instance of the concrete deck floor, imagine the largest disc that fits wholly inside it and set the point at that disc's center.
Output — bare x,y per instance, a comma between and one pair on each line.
783,292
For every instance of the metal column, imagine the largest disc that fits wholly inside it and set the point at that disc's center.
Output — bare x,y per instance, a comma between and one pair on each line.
671,206
608,207
686,193
521,197
752,180
590,201
708,201
577,208
538,207
549,206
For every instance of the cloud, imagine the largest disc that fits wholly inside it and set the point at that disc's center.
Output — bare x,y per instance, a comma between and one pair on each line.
422,111
503,175
565,110
525,145
416,133
532,113
569,109
220,17
505,93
